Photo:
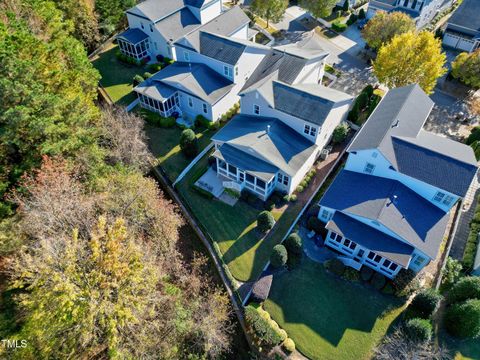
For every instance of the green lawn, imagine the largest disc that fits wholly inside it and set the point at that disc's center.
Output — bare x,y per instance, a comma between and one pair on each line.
330,318
163,143
232,228
116,76
463,349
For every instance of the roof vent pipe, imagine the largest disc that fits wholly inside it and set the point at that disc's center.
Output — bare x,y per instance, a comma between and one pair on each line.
268,129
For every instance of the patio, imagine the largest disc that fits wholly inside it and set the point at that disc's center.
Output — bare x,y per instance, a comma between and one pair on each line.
213,183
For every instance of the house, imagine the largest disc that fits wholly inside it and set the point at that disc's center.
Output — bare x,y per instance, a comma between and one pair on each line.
210,71
463,28
421,11
389,207
156,25
286,120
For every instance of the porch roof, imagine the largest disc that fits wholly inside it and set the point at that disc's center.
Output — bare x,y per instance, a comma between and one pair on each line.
370,238
157,91
252,165
133,36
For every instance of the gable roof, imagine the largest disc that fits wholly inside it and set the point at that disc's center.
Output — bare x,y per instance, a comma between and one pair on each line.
269,140
308,48
154,10
311,103
220,48
395,129
195,79
177,24
133,36
196,3
400,209
372,239
467,15
225,24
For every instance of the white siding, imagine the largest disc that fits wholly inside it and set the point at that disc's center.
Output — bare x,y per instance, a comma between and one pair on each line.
241,33
211,11
196,109
356,162
158,45
312,73
297,179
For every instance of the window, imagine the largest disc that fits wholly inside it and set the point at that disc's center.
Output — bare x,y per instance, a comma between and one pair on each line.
347,242
310,130
439,196
227,71
261,184
250,178
232,169
155,45
285,180
447,200
419,260
236,71
223,164
186,56
190,101
369,168
306,130
325,214
205,110
393,267
256,109
371,255
313,131
386,263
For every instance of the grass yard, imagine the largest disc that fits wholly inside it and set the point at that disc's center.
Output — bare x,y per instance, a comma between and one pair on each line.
463,349
116,76
329,318
164,144
231,228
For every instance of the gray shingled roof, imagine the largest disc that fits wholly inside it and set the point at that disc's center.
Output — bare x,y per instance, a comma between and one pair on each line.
311,103
467,15
281,147
392,204
221,49
133,36
177,25
196,3
224,24
155,10
372,239
195,79
395,129
307,48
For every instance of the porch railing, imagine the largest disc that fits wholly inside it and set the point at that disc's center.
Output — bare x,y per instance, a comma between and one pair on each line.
233,185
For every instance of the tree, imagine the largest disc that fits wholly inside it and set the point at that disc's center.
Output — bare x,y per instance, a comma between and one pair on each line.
451,273
271,10
466,68
112,13
383,27
419,330
466,288
411,58
346,6
188,143
425,303
279,256
318,8
361,14
340,133
463,320
265,221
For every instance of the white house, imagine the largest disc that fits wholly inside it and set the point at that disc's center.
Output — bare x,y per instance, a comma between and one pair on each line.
421,11
463,28
286,119
164,22
389,207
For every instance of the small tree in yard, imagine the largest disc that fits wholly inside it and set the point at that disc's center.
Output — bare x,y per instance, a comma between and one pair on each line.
463,320
466,68
411,58
318,8
279,256
293,244
188,143
426,302
466,288
361,14
419,329
340,133
271,10
383,27
265,221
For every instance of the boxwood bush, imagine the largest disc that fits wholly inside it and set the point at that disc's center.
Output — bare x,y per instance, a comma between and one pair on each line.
137,79
261,327
463,320
378,281
265,221
293,244
188,143
419,329
338,26
466,288
289,345
279,256
425,303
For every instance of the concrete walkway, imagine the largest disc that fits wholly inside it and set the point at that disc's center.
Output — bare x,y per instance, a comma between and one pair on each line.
463,229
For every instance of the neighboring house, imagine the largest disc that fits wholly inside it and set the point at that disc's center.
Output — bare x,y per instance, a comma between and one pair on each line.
286,119
421,11
160,23
463,28
210,71
389,207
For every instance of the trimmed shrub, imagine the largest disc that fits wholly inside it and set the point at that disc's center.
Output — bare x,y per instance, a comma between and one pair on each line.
353,113
346,5
201,120
261,327
289,345
474,135
378,281
335,266
292,198
425,303
372,104
362,100
467,288
366,273
352,19
463,320
338,26
167,122
188,143
315,224
340,134
351,274
368,90
137,79
361,14
451,273
293,244
279,256
265,221
419,329
155,67
147,75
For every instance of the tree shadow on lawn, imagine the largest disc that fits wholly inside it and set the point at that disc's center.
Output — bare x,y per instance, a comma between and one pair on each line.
327,305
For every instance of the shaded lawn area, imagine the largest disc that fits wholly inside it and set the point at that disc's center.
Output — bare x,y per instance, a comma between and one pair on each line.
116,76
462,349
330,318
164,144
231,228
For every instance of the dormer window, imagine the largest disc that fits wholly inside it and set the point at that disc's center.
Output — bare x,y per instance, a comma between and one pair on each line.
369,168
310,130
227,71
443,198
